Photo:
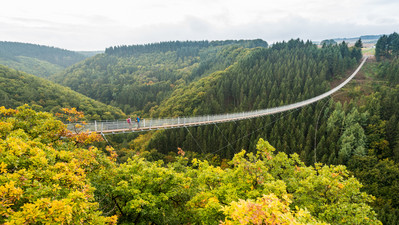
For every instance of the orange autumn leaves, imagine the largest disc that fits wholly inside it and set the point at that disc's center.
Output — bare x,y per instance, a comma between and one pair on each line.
78,135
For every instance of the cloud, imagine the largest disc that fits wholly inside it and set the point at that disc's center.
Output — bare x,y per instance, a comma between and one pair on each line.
289,27
97,27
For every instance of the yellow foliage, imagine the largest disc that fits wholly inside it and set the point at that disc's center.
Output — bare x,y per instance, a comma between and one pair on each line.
84,138
6,112
112,153
9,194
40,184
266,210
5,128
3,167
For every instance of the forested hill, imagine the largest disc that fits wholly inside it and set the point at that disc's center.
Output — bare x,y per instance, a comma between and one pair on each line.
357,127
183,48
285,73
18,88
263,78
37,59
142,81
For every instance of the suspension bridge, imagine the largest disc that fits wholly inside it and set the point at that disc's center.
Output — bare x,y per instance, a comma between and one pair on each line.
121,126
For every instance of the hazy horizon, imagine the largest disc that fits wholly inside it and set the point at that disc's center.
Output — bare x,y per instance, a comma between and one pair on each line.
96,25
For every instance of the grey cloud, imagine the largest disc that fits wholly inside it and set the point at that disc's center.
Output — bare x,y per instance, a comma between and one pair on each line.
290,27
101,32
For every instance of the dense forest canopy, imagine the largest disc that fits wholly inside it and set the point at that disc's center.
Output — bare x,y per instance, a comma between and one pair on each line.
39,60
328,42
135,82
19,88
53,55
46,179
387,46
183,48
263,78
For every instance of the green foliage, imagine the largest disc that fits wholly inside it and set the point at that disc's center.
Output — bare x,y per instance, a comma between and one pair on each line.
144,191
266,210
369,127
52,55
43,180
262,78
387,47
32,66
49,180
183,48
39,60
359,43
380,179
363,134
359,129
136,82
328,42
196,192
390,71
18,88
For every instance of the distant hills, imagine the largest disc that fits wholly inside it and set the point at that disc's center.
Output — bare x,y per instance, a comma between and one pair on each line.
366,39
39,60
18,88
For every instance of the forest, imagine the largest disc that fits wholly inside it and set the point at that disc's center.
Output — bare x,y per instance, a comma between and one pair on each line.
387,46
334,162
134,82
40,60
19,88
46,179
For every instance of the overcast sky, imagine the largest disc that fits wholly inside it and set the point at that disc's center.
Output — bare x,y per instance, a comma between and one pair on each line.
98,24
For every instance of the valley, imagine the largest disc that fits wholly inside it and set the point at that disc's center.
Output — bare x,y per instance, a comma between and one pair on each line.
332,161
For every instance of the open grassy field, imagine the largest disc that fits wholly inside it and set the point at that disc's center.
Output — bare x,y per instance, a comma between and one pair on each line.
368,51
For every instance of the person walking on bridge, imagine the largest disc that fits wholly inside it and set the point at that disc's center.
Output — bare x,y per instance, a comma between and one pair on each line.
129,122
138,121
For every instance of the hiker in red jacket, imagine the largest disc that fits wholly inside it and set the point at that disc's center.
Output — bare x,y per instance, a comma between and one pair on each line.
129,122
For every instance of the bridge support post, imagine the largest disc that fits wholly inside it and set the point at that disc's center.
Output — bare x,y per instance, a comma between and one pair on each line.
95,125
144,122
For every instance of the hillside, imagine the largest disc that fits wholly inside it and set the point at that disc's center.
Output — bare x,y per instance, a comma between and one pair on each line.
263,78
39,60
140,77
18,88
366,39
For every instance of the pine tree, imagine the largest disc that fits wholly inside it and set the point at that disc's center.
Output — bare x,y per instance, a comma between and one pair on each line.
359,43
